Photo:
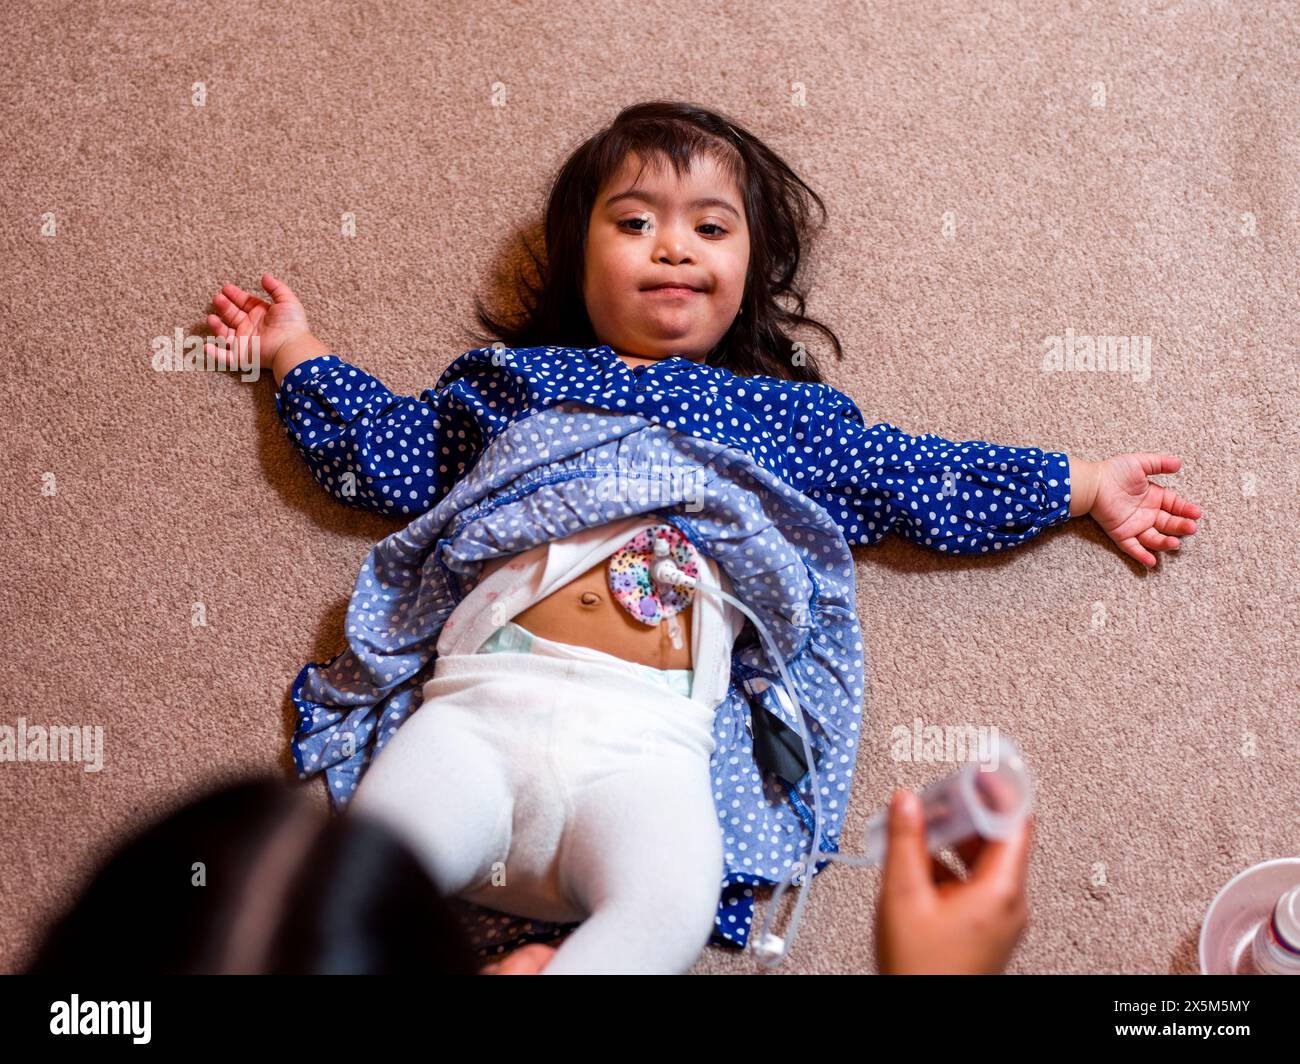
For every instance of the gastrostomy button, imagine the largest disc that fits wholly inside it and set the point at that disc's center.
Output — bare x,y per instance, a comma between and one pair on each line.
634,588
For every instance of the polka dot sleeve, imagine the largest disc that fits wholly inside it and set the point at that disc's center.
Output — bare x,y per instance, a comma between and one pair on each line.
370,448
967,497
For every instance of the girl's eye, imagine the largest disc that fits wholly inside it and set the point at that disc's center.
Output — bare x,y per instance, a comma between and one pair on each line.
647,221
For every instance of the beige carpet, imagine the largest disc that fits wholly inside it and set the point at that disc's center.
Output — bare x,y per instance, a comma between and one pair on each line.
1110,170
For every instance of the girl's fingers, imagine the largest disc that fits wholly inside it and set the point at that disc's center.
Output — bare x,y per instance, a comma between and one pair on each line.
1153,540
220,358
237,322
230,313
1171,501
277,289
1174,526
1131,548
1159,463
236,295
1178,506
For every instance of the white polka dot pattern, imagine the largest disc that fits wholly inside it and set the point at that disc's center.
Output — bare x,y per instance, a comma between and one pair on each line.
404,453
524,451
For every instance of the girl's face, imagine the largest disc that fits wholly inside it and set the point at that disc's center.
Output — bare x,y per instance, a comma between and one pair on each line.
650,228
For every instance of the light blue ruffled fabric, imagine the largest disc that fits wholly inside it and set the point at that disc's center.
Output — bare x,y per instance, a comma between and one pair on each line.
565,470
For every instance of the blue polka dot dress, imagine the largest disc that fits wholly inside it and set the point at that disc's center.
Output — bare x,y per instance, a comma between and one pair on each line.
399,455
828,482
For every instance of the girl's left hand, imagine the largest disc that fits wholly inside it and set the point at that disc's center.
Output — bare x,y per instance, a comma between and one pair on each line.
1138,515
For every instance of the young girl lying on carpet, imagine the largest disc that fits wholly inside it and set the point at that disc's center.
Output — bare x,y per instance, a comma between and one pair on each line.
670,237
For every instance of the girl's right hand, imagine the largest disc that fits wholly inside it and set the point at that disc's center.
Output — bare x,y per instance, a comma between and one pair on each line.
928,922
245,316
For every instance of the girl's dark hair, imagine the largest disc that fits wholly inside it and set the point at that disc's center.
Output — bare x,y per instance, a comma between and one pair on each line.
776,204
343,896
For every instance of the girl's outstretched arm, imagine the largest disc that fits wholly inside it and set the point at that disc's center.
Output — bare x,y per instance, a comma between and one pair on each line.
366,446
956,497
973,497
370,448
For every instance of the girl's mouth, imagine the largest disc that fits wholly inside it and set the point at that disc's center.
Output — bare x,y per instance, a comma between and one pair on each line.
671,291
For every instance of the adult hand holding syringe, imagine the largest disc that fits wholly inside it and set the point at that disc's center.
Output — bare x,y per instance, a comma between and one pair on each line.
988,798
927,920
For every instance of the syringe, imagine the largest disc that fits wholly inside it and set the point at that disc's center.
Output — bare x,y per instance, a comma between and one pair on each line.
990,798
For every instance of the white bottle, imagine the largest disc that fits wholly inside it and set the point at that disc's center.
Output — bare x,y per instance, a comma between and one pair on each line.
1276,949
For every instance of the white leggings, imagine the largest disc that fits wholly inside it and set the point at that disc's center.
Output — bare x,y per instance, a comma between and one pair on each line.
562,787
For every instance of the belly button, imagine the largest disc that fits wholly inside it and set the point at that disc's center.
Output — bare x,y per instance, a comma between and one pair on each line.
590,598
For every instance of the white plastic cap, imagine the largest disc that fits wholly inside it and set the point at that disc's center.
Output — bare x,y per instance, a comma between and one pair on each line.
1286,918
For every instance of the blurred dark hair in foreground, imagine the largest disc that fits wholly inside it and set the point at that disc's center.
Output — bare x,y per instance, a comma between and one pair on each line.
290,889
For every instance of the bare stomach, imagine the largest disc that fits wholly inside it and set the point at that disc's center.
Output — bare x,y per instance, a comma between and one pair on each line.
585,613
